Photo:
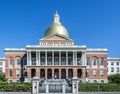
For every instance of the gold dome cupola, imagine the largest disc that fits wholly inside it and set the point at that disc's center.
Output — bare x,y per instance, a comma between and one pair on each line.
56,28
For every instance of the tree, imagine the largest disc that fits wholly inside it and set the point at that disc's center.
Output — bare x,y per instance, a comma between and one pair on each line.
2,77
114,78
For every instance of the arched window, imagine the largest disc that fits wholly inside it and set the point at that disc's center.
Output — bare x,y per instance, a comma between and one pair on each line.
94,61
88,61
10,61
18,61
102,61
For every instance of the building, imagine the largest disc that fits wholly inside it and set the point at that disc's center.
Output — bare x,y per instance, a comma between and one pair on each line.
56,57
113,66
2,65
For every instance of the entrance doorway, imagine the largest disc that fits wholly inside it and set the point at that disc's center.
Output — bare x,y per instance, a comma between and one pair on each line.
56,74
42,73
63,74
49,74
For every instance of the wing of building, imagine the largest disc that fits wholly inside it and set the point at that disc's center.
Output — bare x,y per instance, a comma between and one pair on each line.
56,57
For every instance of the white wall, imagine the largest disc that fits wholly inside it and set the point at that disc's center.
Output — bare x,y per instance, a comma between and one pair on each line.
114,66
2,64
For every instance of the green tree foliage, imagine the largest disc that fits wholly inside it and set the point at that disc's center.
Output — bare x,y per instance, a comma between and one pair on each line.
2,77
114,78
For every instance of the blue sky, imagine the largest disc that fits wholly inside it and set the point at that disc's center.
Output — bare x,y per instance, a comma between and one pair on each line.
94,23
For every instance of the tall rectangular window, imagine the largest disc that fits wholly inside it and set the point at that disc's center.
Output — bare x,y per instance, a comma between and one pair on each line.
56,60
94,73
117,69
10,73
49,60
42,60
88,61
10,62
69,60
17,73
33,61
78,61
112,69
101,73
88,73
63,60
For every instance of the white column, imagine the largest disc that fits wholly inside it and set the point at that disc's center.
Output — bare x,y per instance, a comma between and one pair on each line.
52,57
66,58
45,57
39,59
83,58
59,57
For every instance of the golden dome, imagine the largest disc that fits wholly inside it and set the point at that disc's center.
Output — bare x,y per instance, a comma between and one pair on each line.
56,28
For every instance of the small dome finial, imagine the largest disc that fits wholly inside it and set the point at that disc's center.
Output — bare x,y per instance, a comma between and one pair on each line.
57,18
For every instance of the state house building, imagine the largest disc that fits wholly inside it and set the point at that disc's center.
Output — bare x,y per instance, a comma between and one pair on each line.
56,57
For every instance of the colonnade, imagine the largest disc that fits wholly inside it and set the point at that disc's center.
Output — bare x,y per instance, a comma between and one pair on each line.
62,58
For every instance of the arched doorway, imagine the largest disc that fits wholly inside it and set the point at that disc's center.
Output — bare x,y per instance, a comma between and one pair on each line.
70,73
63,74
56,74
42,73
33,72
49,74
79,73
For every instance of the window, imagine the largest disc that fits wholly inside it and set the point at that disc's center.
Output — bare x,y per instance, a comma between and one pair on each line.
88,61
25,73
49,60
101,73
78,61
117,69
111,63
117,64
1,63
25,61
102,61
94,73
17,73
88,73
10,73
112,69
18,61
33,61
63,61
42,60
10,61
70,60
0,69
56,61
94,61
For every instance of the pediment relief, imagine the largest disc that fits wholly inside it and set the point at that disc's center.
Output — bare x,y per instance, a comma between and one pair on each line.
56,37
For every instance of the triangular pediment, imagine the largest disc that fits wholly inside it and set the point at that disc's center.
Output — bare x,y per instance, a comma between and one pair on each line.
56,37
